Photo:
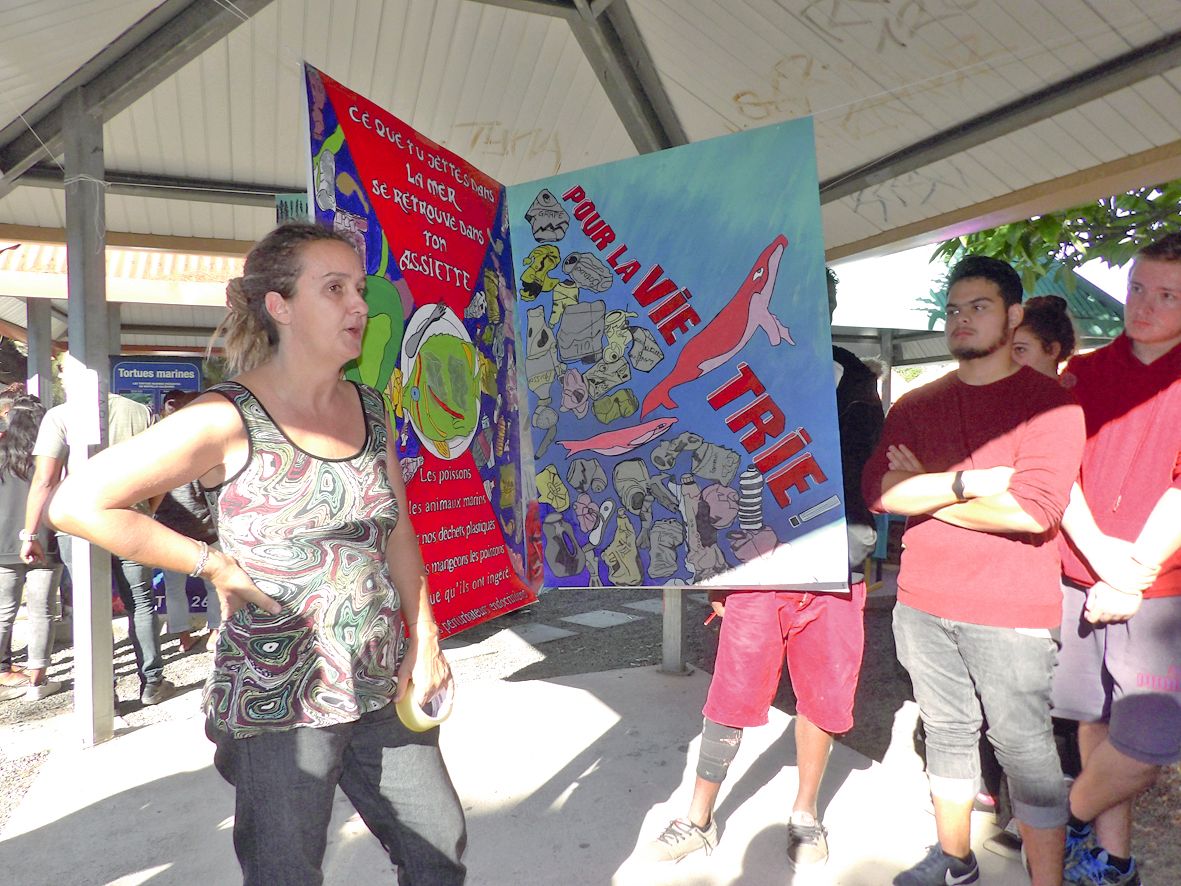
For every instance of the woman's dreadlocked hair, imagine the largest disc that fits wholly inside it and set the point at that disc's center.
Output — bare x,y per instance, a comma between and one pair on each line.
272,265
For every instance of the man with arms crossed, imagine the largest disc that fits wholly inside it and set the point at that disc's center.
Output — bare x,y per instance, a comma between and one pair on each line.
1119,672
982,460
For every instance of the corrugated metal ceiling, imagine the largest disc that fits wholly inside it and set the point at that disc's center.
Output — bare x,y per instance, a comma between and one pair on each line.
44,41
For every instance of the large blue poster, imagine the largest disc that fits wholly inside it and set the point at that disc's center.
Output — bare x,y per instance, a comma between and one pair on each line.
674,322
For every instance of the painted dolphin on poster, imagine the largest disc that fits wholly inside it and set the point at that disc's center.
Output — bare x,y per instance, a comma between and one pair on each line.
617,441
728,332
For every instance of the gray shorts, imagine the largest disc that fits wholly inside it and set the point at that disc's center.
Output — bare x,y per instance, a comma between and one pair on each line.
1126,674
964,672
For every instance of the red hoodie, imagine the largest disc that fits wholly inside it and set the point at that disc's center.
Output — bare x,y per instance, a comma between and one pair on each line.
1133,451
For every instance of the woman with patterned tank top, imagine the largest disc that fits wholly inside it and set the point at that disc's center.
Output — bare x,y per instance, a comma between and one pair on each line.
321,582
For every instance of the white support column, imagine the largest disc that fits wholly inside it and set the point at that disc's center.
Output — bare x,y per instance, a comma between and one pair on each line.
673,645
39,381
87,384
887,367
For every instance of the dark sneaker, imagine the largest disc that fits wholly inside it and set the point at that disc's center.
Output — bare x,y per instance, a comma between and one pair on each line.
154,693
1095,869
1078,860
940,869
806,843
682,838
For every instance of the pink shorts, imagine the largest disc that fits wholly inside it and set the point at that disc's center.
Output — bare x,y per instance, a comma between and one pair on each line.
822,637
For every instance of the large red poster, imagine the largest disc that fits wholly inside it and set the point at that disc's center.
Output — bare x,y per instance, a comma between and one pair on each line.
433,233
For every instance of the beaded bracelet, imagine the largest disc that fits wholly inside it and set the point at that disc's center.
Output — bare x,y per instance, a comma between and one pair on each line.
201,560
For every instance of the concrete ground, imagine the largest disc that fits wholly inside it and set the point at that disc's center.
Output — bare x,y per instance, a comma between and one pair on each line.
561,779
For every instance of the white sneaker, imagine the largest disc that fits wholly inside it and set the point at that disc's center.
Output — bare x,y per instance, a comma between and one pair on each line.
806,842
42,690
679,839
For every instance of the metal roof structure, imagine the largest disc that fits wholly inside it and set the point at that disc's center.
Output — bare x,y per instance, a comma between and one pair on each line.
932,116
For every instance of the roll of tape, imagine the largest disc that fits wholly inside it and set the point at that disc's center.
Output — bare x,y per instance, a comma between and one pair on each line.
432,712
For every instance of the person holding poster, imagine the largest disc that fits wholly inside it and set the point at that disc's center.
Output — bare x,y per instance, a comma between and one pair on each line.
982,461
323,590
821,636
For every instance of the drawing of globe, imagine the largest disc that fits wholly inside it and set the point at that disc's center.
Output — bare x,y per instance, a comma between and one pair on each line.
441,386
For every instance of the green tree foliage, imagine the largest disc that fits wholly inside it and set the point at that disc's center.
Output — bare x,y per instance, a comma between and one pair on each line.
935,301
1112,229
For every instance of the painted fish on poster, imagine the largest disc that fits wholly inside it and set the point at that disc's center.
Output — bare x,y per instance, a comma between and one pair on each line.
620,440
728,332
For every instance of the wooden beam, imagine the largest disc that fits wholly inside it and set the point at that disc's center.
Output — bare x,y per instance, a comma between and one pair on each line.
1154,166
169,349
200,245
14,331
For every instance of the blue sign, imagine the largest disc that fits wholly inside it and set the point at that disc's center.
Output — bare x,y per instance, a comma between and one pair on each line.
147,379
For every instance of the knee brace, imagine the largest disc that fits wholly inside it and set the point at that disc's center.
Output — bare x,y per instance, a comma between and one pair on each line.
719,745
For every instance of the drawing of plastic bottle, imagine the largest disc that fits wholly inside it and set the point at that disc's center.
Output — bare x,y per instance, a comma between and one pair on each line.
750,499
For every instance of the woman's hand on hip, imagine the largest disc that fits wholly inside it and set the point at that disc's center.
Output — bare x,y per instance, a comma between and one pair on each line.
234,587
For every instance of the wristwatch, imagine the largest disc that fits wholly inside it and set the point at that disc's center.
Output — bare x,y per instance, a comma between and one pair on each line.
957,487
25,535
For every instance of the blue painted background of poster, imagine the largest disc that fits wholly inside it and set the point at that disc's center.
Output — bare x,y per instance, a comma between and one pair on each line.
678,359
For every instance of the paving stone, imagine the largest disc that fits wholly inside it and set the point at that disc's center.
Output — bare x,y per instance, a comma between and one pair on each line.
601,618
654,604
535,633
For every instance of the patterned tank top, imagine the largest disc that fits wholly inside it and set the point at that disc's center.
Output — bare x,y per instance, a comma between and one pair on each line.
310,532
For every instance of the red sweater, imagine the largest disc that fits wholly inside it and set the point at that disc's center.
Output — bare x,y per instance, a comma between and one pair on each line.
1027,422
1133,451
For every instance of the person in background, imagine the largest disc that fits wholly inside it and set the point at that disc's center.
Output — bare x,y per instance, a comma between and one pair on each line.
1045,339
39,579
185,510
125,419
7,396
821,636
1043,342
324,594
1119,672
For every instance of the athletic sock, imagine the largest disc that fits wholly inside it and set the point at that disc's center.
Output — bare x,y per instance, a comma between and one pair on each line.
1123,865
960,865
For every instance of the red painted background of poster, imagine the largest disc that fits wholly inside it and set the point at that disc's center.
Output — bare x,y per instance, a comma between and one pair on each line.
436,209
436,212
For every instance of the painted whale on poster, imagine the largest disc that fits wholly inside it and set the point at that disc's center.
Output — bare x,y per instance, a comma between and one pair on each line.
729,331
620,440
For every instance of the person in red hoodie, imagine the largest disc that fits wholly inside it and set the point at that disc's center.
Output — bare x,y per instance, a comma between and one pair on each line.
1119,672
982,461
